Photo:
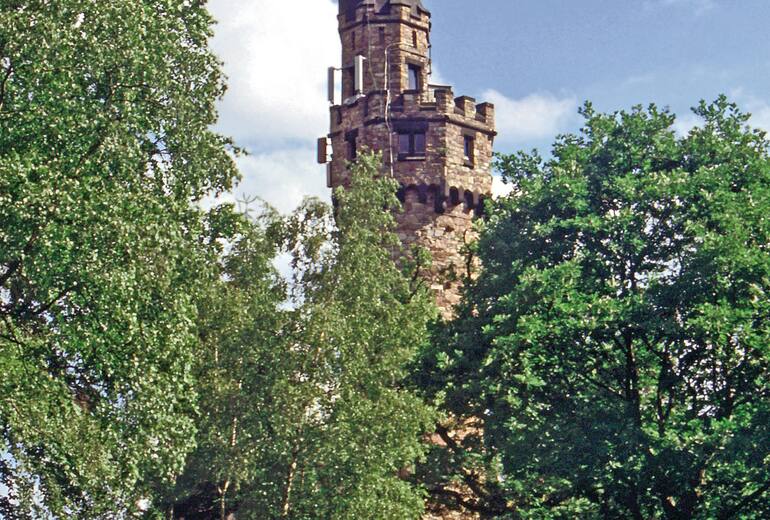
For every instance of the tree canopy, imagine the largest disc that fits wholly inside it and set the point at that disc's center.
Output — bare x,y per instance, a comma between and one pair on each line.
615,345
105,110
304,411
610,360
150,355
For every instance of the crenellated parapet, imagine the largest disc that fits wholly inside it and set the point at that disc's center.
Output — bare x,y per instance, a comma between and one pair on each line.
444,198
459,137
438,146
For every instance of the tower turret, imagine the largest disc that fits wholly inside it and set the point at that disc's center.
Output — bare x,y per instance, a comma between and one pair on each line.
438,147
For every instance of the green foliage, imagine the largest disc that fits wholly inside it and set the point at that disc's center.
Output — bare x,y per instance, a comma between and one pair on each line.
304,411
105,109
616,342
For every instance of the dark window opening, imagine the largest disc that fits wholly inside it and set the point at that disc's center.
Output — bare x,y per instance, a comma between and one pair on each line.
411,144
353,39
348,83
480,207
404,144
439,202
350,139
419,143
454,196
422,194
468,149
414,77
382,35
414,38
401,194
469,200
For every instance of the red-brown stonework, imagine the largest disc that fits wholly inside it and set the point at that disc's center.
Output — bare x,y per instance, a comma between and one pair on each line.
444,178
442,188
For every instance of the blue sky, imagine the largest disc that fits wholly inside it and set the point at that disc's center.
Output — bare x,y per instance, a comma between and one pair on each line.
616,53
537,60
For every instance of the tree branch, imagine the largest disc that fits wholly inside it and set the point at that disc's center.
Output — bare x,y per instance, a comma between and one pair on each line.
3,83
632,378
748,499
14,265
602,386
47,306
289,484
91,151
470,480
10,269
12,338
470,506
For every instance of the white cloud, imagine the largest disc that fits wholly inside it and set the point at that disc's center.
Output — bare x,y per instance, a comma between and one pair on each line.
276,57
760,113
685,123
499,188
536,116
757,106
282,178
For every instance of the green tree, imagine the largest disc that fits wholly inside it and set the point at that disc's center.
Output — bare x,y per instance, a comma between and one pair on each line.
616,343
105,110
239,359
306,415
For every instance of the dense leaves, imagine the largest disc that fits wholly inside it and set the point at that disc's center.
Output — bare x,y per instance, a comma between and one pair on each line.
152,362
615,346
105,109
304,411
610,361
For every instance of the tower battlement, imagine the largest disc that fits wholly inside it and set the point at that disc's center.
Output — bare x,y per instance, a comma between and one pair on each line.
437,146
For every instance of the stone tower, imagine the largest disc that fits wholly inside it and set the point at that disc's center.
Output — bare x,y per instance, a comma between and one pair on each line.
438,147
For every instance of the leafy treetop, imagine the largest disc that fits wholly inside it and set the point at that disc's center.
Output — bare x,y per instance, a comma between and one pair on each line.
615,344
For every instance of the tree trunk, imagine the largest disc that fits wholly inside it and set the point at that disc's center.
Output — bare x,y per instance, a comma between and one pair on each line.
223,500
286,508
632,502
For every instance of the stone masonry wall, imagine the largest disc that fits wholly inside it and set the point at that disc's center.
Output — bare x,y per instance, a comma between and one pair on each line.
442,190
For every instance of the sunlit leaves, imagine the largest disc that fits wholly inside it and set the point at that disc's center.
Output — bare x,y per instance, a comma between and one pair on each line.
616,340
105,141
304,409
